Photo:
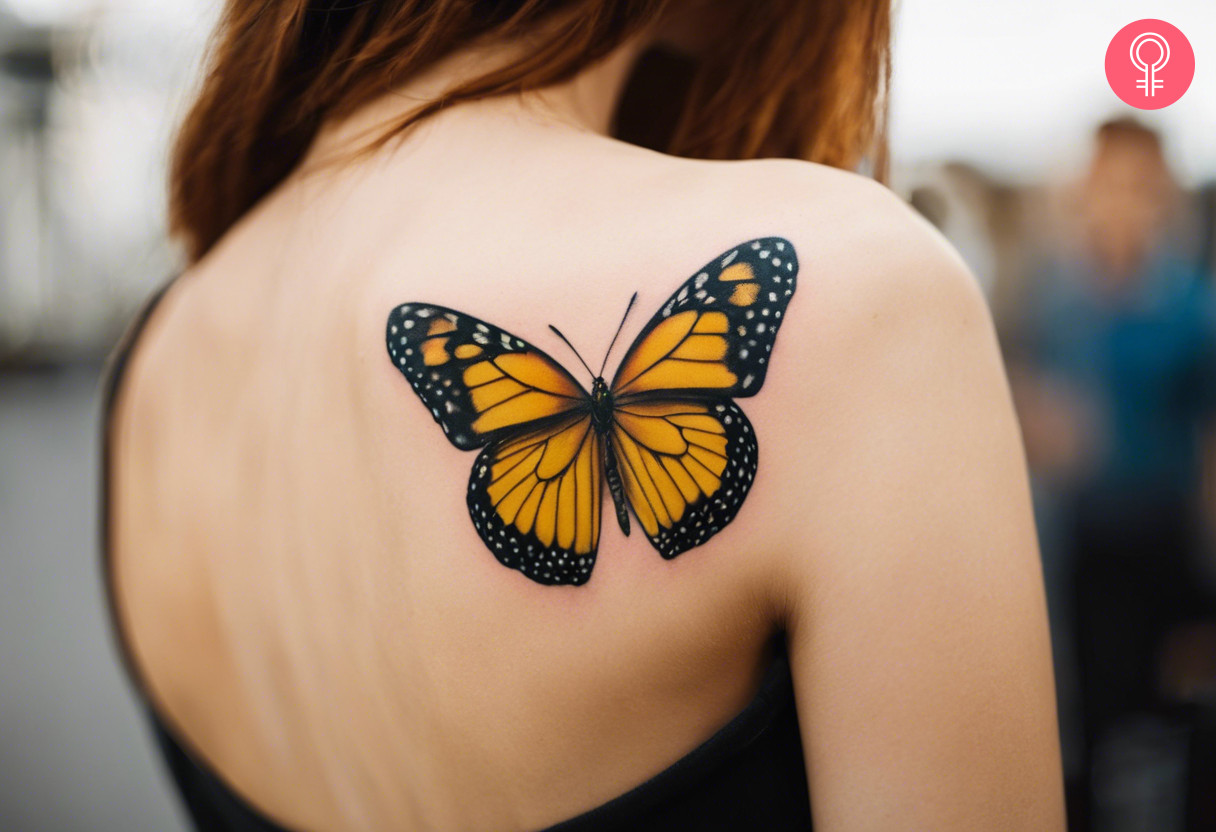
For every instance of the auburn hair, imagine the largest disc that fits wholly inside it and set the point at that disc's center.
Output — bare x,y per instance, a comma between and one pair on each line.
786,78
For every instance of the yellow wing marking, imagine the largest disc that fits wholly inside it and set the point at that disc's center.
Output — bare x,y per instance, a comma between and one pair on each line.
510,389
685,351
658,344
674,374
711,461
510,473
683,480
527,512
745,294
671,456
657,433
701,348
547,484
546,514
495,393
565,512
481,373
586,485
561,448
643,494
531,370
434,351
518,409
739,271
715,442
715,322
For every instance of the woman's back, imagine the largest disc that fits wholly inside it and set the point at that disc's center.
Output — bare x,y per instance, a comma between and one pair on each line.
330,561
313,610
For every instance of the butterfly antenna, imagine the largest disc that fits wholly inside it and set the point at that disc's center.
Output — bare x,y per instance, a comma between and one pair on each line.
572,349
618,332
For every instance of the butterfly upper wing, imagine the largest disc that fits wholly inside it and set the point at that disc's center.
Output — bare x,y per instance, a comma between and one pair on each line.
535,500
714,336
686,467
477,380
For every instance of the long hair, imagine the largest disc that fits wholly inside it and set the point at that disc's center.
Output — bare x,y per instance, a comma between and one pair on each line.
784,78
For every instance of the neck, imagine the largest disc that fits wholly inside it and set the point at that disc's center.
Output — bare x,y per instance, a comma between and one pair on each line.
585,103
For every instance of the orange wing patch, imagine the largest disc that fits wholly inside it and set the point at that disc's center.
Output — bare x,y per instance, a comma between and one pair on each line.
476,379
517,388
684,351
685,467
714,336
535,500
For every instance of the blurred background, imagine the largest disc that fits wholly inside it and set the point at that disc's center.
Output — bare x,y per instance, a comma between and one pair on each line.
1091,226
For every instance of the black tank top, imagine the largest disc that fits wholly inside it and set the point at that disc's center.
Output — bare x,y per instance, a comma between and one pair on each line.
749,775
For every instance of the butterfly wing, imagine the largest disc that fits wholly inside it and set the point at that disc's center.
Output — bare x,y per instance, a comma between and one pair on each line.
534,493
686,452
686,467
478,381
714,336
535,500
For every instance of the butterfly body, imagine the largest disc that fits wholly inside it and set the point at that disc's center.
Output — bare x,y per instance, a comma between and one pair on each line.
601,406
664,435
603,420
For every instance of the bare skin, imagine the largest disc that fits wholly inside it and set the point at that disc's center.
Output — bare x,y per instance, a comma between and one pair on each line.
316,615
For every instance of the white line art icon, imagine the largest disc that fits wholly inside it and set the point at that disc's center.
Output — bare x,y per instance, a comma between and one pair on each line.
1150,83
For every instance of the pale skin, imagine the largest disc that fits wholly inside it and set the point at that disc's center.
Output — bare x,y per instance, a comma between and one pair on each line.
316,615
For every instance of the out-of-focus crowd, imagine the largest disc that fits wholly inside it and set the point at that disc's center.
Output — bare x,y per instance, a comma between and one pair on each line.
1102,289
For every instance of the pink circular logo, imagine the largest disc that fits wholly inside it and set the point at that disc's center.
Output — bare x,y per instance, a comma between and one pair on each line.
1149,64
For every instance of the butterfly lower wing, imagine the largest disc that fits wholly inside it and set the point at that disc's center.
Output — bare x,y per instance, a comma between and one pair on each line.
686,468
715,334
477,380
535,500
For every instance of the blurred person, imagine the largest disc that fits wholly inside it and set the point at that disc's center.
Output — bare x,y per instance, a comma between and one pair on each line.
1205,200
341,617
1124,342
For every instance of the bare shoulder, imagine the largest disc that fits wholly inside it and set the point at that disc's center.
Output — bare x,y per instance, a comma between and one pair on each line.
906,554
887,315
863,246
869,260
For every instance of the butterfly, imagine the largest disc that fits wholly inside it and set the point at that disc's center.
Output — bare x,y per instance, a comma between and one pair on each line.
665,436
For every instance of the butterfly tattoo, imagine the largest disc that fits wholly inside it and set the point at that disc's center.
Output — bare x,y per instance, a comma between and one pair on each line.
665,436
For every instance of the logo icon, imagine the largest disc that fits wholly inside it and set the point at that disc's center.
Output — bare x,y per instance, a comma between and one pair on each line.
1149,64
1150,83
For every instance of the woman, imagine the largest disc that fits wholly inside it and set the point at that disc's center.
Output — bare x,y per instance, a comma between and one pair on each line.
342,621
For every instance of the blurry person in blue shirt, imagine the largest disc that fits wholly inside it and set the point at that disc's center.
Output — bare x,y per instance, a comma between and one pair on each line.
1124,332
